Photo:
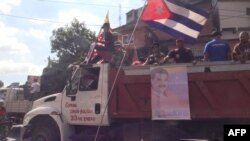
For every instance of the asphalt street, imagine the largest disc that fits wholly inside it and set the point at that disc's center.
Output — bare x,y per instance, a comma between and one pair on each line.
14,134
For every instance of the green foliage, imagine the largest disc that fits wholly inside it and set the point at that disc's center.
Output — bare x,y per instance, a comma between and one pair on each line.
1,84
71,42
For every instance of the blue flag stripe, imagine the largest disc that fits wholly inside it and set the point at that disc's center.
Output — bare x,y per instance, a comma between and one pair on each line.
190,7
171,31
186,21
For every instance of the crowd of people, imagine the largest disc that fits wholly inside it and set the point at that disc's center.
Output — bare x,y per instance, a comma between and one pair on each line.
216,49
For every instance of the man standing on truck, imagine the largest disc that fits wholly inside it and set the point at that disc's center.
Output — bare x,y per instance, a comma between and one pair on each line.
241,50
180,54
217,49
156,57
118,55
35,89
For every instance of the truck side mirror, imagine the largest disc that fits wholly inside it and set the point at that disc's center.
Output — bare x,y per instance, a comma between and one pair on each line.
67,90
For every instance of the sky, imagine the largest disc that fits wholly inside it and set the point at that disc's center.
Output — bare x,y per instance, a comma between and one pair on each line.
26,27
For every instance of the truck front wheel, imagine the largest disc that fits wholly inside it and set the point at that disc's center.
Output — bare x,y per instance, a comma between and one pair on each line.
44,134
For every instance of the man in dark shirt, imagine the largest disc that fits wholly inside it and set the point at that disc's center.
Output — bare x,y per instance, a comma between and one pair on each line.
156,57
26,90
180,54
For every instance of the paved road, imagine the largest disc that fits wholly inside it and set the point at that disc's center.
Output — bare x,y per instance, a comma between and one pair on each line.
14,134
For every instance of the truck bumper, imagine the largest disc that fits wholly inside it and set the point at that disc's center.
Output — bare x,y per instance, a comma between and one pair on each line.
25,132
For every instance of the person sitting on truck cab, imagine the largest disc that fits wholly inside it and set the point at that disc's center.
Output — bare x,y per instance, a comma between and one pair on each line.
241,50
216,49
156,57
180,54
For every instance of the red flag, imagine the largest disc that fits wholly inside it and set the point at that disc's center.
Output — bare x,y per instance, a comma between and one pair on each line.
154,10
175,17
100,40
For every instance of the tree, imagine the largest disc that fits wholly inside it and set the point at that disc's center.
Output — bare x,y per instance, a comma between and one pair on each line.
70,44
1,84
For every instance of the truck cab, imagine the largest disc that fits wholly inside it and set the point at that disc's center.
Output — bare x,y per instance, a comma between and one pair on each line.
83,102
86,96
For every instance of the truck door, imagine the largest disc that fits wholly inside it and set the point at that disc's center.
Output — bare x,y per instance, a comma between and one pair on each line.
86,96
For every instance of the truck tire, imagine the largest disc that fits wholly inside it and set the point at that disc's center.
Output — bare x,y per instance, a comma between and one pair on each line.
44,134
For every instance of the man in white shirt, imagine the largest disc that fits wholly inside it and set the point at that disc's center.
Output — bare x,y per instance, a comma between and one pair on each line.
35,89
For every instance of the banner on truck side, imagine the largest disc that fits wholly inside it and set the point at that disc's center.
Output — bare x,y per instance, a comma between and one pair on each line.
169,93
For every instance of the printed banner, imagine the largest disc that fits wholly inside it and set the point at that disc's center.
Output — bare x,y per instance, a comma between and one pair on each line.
169,93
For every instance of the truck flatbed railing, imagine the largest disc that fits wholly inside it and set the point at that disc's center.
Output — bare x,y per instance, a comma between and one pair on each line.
192,68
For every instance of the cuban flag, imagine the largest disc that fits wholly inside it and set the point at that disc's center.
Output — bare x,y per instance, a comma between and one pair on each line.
179,19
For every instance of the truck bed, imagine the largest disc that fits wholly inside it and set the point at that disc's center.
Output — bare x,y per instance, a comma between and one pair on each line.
18,106
221,93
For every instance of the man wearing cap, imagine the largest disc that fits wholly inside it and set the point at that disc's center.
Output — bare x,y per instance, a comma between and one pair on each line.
156,57
180,54
216,49
118,55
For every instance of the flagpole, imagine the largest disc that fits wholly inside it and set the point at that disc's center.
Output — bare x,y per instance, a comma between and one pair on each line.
92,48
118,71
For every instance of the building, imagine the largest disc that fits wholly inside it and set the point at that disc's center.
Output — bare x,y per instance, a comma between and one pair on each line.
234,17
145,36
229,16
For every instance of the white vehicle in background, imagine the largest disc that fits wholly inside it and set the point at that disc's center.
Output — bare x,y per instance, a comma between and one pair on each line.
15,104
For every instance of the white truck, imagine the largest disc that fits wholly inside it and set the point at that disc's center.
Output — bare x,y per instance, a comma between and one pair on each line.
16,105
218,95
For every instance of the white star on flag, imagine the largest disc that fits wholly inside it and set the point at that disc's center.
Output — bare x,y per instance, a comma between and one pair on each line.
159,10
